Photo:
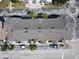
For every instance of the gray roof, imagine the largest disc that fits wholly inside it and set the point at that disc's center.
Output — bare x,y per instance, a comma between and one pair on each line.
43,1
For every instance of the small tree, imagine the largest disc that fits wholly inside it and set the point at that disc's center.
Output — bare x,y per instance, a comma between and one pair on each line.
45,15
32,46
11,47
32,14
6,46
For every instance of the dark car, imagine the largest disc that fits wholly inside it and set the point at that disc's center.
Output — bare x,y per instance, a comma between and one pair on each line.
53,16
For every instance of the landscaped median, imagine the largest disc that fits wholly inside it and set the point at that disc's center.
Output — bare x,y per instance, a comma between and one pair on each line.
35,15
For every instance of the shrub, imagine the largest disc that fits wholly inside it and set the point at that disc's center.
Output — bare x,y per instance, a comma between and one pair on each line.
45,15
32,14
14,1
11,47
7,46
32,47
4,46
59,1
